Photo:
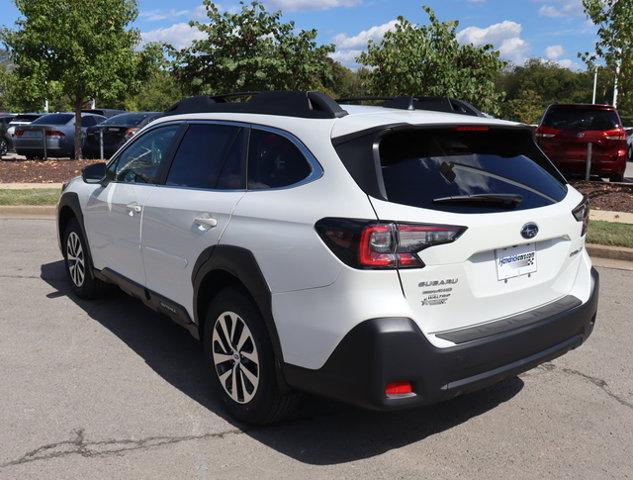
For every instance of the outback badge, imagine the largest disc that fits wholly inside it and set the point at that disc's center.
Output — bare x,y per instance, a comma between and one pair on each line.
529,230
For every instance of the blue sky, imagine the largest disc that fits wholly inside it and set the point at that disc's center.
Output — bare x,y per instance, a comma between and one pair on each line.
520,29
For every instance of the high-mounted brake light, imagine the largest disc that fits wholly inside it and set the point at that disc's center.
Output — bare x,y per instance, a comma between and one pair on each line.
375,245
472,128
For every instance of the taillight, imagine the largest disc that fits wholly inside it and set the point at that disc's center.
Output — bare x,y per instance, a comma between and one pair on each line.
581,214
130,132
617,134
55,133
547,132
377,245
18,132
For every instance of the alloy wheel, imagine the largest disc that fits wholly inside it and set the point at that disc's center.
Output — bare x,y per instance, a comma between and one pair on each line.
235,357
75,258
4,147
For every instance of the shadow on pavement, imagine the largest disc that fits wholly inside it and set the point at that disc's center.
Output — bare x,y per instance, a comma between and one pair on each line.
321,433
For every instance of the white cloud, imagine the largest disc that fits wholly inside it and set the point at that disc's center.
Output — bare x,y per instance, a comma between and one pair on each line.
162,14
505,36
554,52
566,62
180,35
349,47
312,4
562,8
345,42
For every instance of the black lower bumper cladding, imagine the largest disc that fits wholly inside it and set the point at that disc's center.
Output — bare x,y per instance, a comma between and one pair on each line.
384,350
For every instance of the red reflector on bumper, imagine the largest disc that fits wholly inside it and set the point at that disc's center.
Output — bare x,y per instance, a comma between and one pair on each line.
398,388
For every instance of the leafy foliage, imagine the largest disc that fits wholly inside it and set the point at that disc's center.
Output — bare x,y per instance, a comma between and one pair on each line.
81,49
428,60
614,19
251,50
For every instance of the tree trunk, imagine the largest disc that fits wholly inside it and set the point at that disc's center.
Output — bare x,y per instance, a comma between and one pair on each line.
79,101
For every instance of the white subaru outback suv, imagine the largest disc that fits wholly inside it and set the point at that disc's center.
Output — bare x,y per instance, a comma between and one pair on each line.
387,257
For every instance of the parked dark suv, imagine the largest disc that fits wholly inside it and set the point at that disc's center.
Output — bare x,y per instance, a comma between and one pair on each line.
566,130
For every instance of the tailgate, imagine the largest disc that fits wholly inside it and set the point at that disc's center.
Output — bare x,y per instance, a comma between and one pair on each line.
473,280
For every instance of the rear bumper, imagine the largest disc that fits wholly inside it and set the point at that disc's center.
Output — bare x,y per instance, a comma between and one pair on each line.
385,350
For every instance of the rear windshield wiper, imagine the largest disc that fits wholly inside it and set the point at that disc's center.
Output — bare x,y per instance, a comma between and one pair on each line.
505,200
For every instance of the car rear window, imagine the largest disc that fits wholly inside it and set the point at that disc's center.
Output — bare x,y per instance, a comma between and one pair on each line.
126,119
54,119
581,119
425,168
25,118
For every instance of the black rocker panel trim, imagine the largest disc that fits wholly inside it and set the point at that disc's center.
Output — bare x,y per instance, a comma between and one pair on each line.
468,334
155,301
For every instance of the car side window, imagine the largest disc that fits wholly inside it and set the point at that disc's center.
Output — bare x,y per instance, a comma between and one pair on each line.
274,161
140,162
210,156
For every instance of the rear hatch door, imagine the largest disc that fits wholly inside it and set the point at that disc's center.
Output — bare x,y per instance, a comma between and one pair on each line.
520,247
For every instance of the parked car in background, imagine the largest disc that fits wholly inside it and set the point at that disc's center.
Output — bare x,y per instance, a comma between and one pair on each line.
629,143
116,131
5,138
58,130
104,112
22,119
567,129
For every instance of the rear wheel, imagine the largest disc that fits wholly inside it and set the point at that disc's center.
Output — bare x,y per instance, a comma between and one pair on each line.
240,357
78,268
4,147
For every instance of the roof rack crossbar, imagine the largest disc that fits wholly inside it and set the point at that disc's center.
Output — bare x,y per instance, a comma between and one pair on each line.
420,102
292,104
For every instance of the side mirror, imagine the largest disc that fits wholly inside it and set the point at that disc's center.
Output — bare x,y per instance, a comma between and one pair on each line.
95,173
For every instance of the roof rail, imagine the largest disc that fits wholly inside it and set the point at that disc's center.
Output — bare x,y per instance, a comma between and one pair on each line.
291,104
414,102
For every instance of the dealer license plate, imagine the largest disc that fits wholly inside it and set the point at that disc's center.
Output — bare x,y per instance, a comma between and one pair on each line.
515,261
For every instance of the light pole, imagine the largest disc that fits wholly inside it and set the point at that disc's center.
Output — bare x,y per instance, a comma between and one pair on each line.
595,85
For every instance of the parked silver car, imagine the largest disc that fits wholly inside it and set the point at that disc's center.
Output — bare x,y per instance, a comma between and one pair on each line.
54,133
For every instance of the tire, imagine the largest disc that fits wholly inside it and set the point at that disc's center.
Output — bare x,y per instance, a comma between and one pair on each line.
4,147
244,372
78,268
616,177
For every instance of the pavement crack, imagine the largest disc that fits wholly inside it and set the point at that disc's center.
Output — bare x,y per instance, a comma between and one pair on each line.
20,276
598,382
78,445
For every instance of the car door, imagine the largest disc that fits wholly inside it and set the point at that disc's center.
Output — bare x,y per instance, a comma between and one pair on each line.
190,211
113,212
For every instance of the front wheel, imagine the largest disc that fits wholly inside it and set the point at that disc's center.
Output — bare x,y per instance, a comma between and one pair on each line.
78,269
241,360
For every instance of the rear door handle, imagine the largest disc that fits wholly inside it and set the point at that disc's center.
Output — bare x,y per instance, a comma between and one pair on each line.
133,208
205,222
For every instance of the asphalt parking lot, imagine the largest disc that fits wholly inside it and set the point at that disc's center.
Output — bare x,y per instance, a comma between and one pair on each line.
110,389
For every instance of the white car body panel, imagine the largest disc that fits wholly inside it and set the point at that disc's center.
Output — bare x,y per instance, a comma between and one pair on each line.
316,298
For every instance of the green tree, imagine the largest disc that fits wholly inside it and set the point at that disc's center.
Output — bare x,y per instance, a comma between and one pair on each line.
251,50
532,87
428,60
614,46
80,49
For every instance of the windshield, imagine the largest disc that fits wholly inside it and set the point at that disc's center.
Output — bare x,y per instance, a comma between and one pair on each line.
423,168
54,119
581,119
127,119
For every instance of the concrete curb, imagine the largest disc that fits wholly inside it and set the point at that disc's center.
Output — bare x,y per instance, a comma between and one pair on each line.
614,253
29,186
28,211
613,217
